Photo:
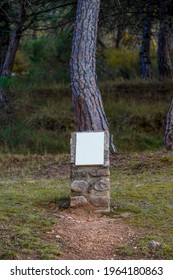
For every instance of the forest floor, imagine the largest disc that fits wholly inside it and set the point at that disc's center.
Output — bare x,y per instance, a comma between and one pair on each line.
36,222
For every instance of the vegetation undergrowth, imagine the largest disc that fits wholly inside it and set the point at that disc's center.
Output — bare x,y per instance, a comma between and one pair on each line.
43,116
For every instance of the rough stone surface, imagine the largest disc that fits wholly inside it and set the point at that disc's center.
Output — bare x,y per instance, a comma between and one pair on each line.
154,245
99,172
102,184
79,186
78,201
86,172
93,193
100,201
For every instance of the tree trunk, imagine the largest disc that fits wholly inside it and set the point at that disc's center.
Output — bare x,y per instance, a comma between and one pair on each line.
168,136
11,52
9,59
120,34
164,61
14,40
4,33
166,71
8,63
88,107
145,62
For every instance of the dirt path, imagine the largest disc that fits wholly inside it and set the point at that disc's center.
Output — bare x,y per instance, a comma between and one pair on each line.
91,236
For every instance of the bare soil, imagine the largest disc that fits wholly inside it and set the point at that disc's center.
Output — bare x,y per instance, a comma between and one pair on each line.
83,235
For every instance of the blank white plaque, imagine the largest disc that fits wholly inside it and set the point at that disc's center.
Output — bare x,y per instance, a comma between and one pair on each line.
89,148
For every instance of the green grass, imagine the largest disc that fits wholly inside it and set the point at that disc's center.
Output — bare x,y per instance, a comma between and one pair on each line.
143,189
26,210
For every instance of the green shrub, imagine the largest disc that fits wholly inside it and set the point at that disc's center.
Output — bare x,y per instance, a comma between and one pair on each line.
123,62
49,57
21,138
21,63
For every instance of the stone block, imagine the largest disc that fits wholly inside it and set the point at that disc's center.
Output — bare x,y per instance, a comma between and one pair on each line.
98,172
104,172
79,186
91,171
100,201
93,193
76,201
102,184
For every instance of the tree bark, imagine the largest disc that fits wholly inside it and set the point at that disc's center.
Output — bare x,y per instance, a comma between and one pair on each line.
87,101
11,52
6,70
14,40
168,136
8,64
164,61
4,33
145,62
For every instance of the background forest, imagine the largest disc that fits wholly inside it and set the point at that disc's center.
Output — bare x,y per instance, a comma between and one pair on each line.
134,53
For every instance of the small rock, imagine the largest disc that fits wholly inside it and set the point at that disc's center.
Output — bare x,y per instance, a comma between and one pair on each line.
78,201
70,218
79,186
102,184
58,236
65,205
100,201
154,245
60,216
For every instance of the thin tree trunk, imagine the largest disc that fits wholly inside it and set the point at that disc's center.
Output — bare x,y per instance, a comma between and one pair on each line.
168,136
8,63
166,71
88,107
164,61
145,62
120,34
10,56
11,52
4,33
14,40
